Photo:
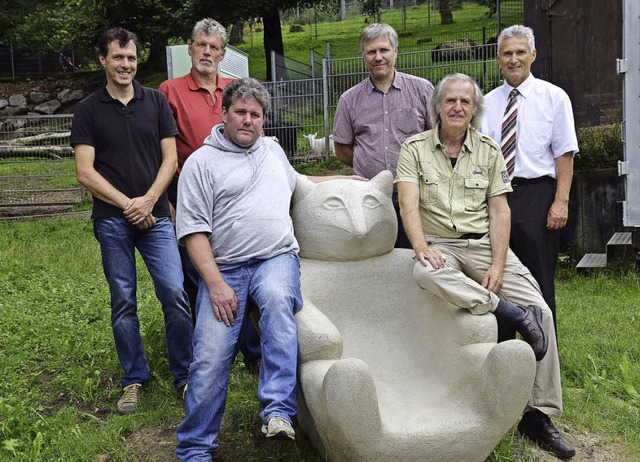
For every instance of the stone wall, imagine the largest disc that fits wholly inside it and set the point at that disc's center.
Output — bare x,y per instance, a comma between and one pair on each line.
41,103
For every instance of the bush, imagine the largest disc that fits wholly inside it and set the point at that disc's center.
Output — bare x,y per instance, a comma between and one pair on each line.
600,147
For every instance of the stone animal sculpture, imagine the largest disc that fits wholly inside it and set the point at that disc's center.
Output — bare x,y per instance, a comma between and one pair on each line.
389,372
317,145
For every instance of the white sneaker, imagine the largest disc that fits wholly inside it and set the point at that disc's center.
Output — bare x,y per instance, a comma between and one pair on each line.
279,429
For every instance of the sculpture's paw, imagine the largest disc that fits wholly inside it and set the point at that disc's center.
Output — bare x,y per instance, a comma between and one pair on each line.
472,328
507,377
318,337
351,402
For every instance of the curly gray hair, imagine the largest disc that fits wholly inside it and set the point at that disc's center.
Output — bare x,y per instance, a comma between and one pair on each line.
210,26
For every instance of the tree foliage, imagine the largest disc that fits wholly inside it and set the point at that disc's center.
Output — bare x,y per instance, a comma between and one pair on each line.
371,7
57,25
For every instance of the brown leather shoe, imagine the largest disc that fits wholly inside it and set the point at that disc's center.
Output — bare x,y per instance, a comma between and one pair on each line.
538,427
530,327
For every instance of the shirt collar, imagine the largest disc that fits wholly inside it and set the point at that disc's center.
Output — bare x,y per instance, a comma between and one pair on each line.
467,145
105,97
398,82
525,88
193,82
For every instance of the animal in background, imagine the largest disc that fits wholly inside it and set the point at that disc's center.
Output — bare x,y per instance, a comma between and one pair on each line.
317,145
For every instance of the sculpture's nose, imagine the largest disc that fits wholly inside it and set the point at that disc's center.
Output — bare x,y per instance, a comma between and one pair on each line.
360,227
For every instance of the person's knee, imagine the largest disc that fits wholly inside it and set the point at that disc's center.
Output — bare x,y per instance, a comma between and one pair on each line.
424,275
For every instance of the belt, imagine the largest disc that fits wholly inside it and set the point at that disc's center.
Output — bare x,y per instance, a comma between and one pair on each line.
517,181
472,236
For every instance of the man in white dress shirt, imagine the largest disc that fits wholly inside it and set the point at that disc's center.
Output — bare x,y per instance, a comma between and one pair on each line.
545,143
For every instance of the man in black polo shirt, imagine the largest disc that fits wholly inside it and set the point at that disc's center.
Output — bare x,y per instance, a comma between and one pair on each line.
125,153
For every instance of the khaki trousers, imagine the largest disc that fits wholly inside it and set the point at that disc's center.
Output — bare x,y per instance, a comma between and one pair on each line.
459,283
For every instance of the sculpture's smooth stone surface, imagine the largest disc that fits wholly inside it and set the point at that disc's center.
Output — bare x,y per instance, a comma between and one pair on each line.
387,370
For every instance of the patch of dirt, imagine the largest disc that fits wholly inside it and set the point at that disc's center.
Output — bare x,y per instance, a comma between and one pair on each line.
158,444
87,81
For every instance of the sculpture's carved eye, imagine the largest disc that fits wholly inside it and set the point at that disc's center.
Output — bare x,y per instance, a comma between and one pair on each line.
371,201
333,203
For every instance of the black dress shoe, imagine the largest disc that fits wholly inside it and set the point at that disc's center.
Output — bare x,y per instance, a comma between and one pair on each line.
530,327
538,427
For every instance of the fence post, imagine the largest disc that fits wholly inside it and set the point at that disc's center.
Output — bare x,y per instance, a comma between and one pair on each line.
13,66
273,66
325,99
312,63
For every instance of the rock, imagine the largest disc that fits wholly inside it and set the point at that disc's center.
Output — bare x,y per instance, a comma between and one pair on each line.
37,97
67,95
3,103
17,100
12,125
14,110
48,107
454,50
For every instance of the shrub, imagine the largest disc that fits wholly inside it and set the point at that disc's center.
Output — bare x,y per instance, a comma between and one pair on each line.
600,147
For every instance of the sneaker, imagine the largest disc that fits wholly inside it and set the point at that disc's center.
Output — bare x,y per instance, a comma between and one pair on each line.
279,429
128,403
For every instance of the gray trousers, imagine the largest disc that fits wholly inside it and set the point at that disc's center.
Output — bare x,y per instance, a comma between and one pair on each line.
459,283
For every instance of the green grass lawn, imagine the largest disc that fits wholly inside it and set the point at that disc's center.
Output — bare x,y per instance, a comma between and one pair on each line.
60,374
344,35
37,174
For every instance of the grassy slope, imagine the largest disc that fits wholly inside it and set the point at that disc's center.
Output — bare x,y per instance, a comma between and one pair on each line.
344,35
60,372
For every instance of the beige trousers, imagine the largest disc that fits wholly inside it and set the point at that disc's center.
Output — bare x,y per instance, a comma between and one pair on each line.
459,283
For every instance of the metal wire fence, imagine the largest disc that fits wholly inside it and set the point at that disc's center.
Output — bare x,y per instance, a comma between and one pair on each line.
36,164
33,137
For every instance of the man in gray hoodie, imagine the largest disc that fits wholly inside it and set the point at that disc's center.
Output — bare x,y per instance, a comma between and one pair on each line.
234,195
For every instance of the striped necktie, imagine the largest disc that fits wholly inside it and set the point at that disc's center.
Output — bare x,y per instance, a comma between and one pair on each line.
509,131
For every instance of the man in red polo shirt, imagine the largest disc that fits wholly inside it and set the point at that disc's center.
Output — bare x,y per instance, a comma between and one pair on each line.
196,102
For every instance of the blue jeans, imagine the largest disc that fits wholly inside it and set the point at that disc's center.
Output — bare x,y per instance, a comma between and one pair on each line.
274,286
249,338
118,240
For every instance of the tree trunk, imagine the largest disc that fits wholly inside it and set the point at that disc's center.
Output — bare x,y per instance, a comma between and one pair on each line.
237,34
158,54
445,12
273,41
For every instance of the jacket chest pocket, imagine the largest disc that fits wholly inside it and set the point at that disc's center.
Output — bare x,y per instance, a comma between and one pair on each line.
428,188
475,193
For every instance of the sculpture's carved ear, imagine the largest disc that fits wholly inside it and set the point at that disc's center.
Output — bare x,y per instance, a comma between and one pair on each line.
383,181
304,187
